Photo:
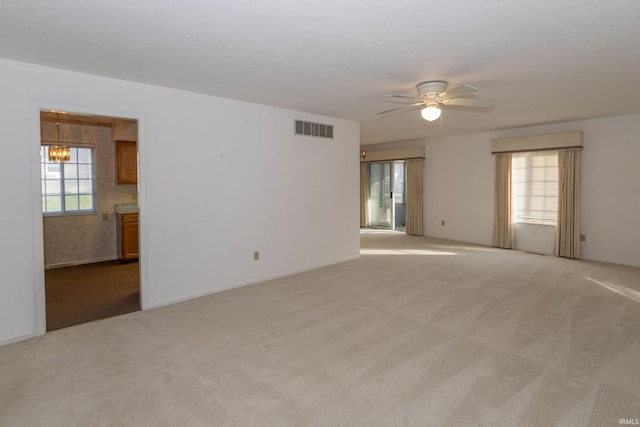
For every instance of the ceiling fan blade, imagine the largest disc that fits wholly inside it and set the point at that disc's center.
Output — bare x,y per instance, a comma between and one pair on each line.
464,90
410,107
402,101
464,102
403,97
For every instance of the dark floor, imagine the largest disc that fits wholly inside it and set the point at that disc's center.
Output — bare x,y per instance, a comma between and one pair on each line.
90,292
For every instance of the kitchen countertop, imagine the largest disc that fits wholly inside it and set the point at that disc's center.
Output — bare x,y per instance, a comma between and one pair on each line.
126,208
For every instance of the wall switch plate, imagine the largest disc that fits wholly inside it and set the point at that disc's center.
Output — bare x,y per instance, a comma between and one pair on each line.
105,216
442,222
583,237
256,255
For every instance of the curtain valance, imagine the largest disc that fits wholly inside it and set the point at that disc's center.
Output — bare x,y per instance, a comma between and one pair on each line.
551,141
390,155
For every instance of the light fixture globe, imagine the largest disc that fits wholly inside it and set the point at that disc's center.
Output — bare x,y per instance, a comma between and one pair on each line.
431,112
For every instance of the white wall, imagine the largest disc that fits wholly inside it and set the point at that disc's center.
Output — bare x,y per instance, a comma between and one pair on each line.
536,238
218,180
458,189
459,173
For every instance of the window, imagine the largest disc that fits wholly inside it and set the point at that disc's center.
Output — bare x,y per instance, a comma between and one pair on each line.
535,187
399,189
68,187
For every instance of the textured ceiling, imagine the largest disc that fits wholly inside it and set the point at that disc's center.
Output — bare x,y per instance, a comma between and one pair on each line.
542,61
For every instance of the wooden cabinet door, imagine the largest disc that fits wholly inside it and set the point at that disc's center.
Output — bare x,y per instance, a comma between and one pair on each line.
130,236
126,162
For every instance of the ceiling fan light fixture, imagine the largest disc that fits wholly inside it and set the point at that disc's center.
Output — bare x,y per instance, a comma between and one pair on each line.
431,112
434,94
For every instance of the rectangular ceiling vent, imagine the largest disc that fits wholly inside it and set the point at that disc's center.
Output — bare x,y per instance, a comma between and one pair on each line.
314,129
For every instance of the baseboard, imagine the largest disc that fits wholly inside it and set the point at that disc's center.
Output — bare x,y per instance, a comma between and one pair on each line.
239,285
534,251
610,261
79,262
17,338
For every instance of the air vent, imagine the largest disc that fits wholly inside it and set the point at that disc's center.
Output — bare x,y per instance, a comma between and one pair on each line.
314,129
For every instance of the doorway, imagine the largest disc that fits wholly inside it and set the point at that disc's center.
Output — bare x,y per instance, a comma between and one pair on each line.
85,277
387,195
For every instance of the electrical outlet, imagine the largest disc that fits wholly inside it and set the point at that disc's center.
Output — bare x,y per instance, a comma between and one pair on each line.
442,222
583,237
256,256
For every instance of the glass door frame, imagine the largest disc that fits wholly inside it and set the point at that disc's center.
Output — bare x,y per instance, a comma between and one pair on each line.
383,184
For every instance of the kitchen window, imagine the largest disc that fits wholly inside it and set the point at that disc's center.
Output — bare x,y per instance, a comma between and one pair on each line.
69,187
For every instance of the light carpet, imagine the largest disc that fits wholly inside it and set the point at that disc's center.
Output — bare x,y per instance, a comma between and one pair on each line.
419,331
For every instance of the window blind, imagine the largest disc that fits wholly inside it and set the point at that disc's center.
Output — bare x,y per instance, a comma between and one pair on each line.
535,187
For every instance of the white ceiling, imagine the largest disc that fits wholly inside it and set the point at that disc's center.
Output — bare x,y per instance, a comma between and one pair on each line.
542,61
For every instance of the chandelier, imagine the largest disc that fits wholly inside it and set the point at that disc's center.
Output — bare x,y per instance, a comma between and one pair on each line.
59,153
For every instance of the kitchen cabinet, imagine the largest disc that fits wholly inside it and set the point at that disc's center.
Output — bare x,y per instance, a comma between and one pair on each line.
128,236
124,130
126,162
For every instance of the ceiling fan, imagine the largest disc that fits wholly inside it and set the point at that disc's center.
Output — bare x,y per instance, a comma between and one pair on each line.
433,95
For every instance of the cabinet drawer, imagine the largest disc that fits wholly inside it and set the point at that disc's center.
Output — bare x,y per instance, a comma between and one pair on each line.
133,217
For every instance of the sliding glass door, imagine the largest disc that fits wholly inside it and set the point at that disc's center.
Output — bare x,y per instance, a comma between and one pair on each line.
387,208
380,195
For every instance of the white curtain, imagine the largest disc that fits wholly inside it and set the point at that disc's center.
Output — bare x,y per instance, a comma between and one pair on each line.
567,242
503,236
414,196
364,194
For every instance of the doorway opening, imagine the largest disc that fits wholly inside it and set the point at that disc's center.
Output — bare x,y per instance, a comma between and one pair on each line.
84,200
387,195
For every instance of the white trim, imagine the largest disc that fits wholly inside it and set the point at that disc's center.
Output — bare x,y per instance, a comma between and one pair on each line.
16,339
533,251
35,107
40,321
